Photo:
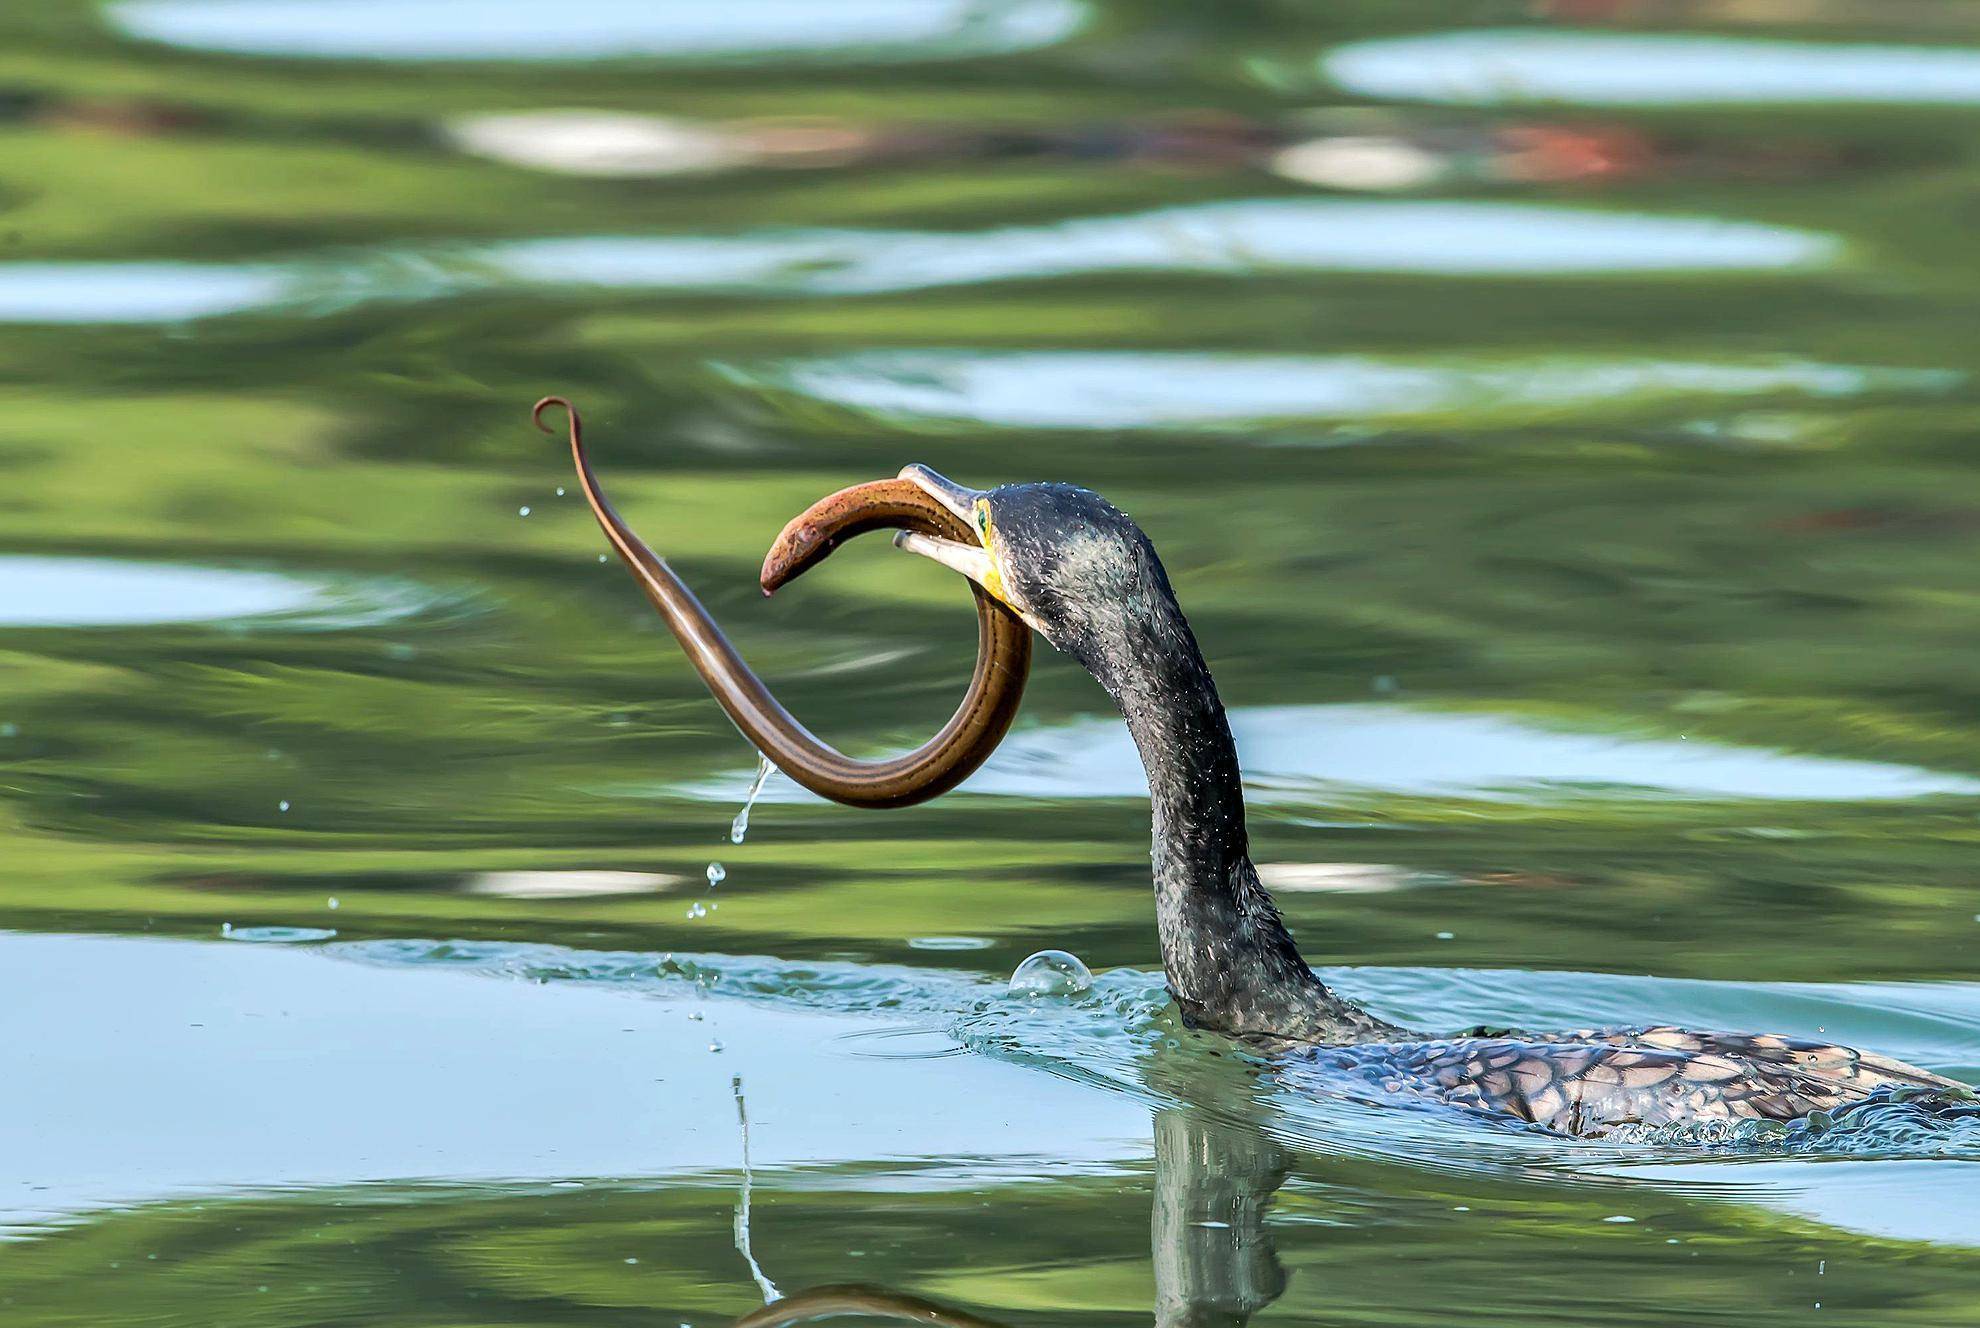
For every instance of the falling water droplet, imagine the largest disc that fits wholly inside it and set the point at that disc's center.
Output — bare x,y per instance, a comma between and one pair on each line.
714,1046
1051,973
697,910
283,805
522,511
601,557
560,491
332,903
740,826
717,874
10,730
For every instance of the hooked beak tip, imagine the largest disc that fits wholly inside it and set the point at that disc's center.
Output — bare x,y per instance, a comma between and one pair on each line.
958,499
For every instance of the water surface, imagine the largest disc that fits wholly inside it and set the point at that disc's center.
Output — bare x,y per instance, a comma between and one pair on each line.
1558,426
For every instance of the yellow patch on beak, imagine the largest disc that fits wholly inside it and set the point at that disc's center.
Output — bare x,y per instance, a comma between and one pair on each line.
993,580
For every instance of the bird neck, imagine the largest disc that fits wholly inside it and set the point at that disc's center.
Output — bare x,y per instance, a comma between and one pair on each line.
1231,964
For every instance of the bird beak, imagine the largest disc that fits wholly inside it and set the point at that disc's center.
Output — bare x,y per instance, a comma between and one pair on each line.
969,559
960,501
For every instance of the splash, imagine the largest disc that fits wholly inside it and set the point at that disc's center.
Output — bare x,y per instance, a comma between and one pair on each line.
739,827
1122,1035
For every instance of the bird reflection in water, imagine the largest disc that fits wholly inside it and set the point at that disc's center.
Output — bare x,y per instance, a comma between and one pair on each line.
1211,1247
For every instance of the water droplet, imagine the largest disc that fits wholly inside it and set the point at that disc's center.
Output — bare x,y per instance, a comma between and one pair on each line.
697,910
226,929
740,826
714,1046
560,491
10,730
629,1260
283,805
717,874
1447,936
522,511
1619,1218
949,943
332,903
695,1015
601,557
1051,973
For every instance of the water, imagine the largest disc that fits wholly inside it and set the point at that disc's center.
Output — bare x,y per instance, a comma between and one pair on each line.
1560,435
739,827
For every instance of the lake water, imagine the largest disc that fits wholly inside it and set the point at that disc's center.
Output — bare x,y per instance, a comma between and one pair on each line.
1558,420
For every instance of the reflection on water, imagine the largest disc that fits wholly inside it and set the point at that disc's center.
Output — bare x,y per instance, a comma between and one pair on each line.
411,1064
1156,389
103,592
1301,753
1649,69
1469,239
133,292
600,29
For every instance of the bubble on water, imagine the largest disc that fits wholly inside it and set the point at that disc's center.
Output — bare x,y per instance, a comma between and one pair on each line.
1051,973
949,943
717,874
740,826
278,935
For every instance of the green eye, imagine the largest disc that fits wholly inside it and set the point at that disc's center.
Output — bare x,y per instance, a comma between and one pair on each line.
983,518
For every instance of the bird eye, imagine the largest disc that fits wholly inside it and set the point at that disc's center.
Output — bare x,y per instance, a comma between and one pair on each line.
983,518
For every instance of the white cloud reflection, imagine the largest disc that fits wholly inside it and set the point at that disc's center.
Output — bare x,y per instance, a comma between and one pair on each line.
1649,69
1240,238
1304,754
1188,389
684,30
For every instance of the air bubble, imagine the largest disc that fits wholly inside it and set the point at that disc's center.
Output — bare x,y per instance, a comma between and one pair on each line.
1051,973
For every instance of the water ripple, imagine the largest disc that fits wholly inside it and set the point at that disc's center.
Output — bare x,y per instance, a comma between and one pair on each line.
736,30
1197,390
1237,238
1650,69
1294,754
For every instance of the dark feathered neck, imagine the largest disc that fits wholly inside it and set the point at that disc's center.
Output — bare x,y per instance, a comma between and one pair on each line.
1230,961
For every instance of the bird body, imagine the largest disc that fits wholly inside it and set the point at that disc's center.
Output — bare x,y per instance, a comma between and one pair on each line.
1088,578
